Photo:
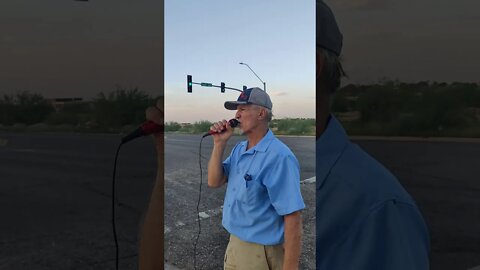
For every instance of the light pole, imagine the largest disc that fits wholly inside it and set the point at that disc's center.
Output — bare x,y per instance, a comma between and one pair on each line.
264,84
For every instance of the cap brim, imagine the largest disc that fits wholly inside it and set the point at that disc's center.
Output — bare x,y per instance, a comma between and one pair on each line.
232,105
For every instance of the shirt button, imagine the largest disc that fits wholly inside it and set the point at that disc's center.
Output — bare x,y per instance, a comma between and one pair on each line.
228,205
234,189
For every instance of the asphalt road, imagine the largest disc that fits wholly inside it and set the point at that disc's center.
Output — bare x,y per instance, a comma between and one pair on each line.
55,201
444,180
182,175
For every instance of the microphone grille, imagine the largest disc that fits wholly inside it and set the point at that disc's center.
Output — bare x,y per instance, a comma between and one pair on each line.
233,122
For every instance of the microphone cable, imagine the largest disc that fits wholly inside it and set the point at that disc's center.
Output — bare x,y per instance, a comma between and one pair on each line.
198,206
233,123
146,128
113,208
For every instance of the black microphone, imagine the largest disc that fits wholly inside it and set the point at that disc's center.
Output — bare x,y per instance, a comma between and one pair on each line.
232,122
146,128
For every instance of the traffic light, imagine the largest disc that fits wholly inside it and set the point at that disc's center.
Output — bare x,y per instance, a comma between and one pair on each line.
189,83
222,87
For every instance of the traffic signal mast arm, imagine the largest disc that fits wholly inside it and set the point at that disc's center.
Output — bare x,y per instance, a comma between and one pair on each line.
222,86
218,86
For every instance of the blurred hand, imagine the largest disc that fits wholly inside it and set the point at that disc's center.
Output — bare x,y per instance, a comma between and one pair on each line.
155,114
151,243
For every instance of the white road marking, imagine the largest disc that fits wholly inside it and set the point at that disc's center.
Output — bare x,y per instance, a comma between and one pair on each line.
309,180
210,213
203,215
179,224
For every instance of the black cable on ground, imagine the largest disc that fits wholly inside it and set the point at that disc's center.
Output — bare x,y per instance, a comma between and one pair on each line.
113,208
198,206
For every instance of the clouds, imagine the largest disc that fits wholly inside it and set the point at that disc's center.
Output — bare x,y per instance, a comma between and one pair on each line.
277,94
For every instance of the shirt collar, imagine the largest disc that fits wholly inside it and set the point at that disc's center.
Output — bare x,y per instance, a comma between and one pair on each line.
329,147
263,144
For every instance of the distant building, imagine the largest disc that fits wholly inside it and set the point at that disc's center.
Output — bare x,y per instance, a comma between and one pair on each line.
59,103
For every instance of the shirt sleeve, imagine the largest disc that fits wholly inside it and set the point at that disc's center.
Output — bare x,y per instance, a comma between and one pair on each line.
226,165
393,236
283,186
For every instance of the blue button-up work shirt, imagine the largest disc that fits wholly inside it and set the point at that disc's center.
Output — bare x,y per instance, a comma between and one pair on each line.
365,218
263,186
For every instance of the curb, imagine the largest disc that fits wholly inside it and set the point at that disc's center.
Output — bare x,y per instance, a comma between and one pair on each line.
415,139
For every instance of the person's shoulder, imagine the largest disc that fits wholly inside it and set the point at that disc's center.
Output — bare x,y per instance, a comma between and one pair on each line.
368,176
363,163
280,147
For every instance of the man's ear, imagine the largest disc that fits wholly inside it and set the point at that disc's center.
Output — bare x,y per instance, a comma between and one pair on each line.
262,114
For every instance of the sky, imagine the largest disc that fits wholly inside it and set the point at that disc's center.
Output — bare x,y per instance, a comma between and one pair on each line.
208,39
63,48
66,48
409,40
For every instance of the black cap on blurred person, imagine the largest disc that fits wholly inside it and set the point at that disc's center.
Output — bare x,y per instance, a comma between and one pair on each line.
328,35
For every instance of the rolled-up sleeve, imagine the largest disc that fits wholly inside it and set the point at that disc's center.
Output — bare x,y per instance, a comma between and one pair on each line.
226,166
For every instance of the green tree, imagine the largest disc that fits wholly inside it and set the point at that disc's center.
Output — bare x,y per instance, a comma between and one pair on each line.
121,107
7,110
295,126
172,126
24,107
201,126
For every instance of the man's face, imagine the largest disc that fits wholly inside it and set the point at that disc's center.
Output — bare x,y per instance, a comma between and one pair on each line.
249,117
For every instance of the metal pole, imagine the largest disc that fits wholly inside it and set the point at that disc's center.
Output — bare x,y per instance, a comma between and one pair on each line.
264,84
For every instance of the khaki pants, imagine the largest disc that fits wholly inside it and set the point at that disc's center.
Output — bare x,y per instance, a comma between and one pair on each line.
241,255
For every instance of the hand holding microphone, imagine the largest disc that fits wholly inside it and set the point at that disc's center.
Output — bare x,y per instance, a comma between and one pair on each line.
153,125
223,128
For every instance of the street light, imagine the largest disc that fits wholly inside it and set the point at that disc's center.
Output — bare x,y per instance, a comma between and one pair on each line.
264,84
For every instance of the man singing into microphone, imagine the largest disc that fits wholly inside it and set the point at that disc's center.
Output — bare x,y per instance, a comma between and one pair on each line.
262,203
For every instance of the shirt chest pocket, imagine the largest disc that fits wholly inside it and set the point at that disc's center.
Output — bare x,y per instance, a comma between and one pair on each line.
251,192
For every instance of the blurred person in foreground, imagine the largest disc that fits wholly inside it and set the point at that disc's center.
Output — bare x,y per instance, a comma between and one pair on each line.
364,218
263,201
151,235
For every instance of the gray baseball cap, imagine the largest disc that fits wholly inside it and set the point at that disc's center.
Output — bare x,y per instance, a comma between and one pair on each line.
328,34
253,95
